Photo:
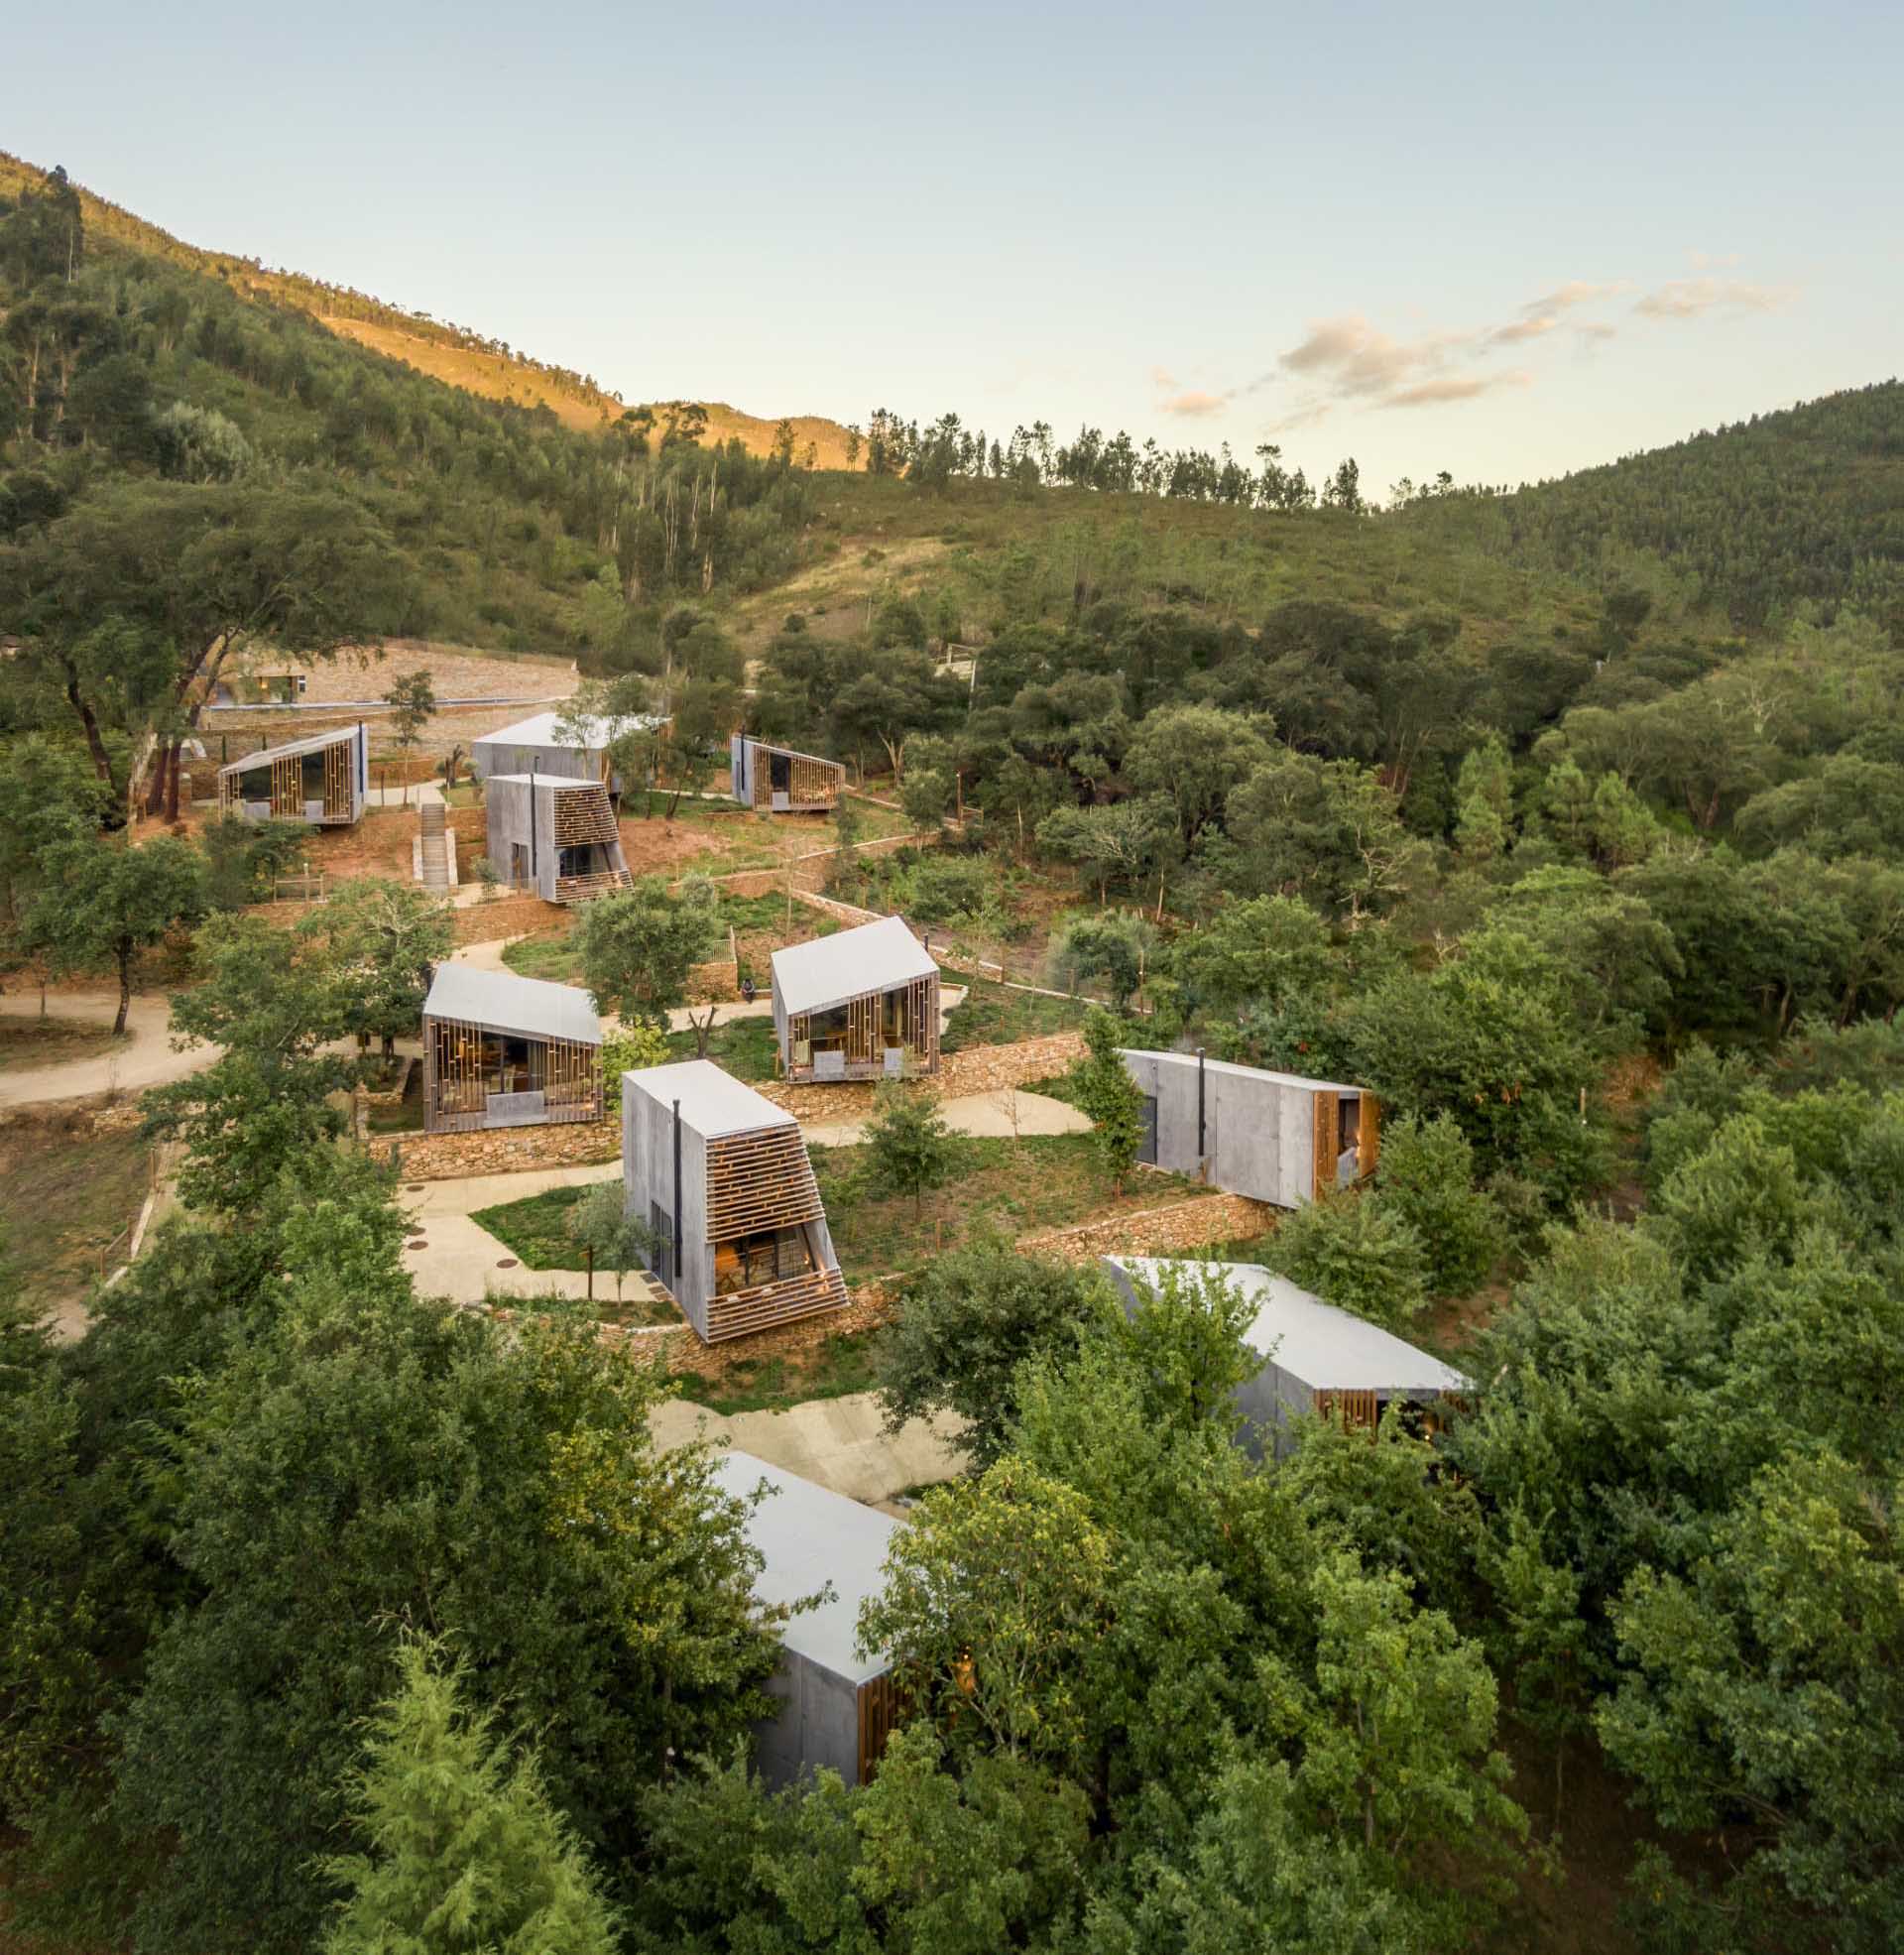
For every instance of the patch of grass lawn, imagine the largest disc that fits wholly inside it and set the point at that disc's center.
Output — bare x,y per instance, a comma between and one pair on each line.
828,1369
535,1228
67,1193
991,1014
742,1046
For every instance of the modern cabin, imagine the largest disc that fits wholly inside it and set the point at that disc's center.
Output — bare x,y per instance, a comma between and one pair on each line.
533,746
556,837
1315,1357
782,781
1271,1135
323,779
721,1177
863,1004
501,1050
838,1707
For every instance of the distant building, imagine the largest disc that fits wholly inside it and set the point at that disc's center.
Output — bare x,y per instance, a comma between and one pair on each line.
862,1004
554,835
721,1175
322,779
531,746
501,1050
838,1707
782,781
1315,1357
1272,1136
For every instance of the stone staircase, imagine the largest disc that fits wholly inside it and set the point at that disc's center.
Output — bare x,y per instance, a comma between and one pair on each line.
432,850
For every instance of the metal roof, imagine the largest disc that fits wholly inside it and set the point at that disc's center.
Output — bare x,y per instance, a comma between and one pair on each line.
1328,1349
792,752
882,956
311,743
1236,1072
538,730
513,1004
809,1537
713,1102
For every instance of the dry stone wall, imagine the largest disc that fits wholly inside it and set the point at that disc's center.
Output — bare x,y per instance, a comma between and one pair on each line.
1183,1225
978,1069
502,1151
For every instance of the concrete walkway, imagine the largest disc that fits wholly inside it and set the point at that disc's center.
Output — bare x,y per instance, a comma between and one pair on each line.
986,1116
452,1256
422,794
840,1443
145,1059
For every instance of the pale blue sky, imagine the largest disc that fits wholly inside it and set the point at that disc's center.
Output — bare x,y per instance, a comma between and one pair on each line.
1503,240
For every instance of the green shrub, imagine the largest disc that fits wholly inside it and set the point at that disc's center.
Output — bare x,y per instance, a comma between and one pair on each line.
1426,1174
1356,1252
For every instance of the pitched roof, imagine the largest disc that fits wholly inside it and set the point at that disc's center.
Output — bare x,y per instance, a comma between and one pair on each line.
809,1537
792,752
1234,1071
513,1004
538,730
880,956
311,743
1328,1349
713,1102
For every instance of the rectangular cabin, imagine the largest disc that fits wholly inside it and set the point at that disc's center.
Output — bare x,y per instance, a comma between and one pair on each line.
1271,1135
782,781
1315,1357
554,836
721,1177
863,1004
501,1050
838,1707
323,779
531,746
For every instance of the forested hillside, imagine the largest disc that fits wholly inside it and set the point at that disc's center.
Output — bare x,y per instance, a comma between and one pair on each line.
1806,505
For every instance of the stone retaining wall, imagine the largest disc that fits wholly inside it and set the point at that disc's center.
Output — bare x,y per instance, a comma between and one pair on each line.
503,1149
508,915
1192,1224
978,1070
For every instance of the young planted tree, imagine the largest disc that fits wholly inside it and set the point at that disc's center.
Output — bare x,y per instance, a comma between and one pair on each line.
463,1848
385,940
100,902
638,946
413,704
1109,1098
632,1049
909,1149
617,1240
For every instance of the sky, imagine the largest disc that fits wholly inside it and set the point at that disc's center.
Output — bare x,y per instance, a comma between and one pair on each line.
1505,241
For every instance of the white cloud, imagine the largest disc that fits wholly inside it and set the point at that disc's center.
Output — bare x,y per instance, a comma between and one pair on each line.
1689,298
1195,401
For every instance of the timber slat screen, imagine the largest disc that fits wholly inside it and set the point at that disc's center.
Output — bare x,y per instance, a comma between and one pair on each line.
760,1181
1354,1409
816,781
879,1713
744,1310
1368,1135
286,794
584,815
466,1064
339,763
579,889
1324,1176
907,1017
810,783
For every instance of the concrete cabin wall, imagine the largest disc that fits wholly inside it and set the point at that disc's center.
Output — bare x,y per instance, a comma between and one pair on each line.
490,759
648,1177
819,1724
1260,1132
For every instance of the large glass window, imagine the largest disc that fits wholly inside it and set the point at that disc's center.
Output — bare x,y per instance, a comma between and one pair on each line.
772,1256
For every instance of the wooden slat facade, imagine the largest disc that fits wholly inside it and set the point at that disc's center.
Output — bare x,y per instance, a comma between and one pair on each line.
458,1080
1354,1409
1368,1135
757,1181
286,790
913,1016
584,889
582,815
811,783
742,1311
1327,1111
878,1715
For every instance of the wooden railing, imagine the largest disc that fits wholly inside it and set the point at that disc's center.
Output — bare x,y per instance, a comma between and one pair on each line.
742,1311
579,889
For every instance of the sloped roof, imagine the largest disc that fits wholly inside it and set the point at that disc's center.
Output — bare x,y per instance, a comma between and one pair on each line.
880,956
809,1537
1234,1071
792,752
311,743
713,1102
1328,1349
513,1004
538,730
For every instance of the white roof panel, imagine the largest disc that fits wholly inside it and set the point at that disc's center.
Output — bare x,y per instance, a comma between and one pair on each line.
792,752
713,1102
809,1537
812,977
513,1004
538,730
1244,1071
1329,1349
311,743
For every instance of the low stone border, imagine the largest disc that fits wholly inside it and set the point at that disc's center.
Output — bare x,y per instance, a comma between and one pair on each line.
978,1070
501,1149
1191,1224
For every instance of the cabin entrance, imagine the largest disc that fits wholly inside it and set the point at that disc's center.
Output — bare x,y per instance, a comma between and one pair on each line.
518,865
779,780
1148,1146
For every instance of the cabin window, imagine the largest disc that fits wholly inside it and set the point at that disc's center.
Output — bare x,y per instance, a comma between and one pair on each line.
771,1255
662,1257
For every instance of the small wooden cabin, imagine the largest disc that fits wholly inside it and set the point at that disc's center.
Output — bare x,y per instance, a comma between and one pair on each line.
531,746
721,1177
323,779
555,837
1315,1357
863,1004
1272,1136
838,1707
784,781
501,1050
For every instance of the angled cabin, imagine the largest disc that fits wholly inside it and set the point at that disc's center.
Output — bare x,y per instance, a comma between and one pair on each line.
531,746
555,837
837,1707
863,1004
501,1050
721,1177
1271,1135
782,781
323,779
1315,1357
